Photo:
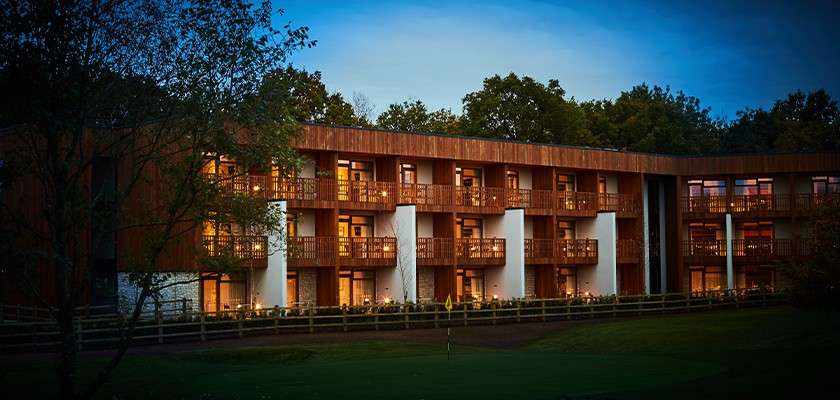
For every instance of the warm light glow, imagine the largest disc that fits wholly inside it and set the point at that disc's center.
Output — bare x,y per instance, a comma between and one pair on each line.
495,248
494,197
586,293
568,292
367,300
495,297
384,194
386,248
386,300
238,306
257,246
256,188
257,306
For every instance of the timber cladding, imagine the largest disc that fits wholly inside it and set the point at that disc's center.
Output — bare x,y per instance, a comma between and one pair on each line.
466,149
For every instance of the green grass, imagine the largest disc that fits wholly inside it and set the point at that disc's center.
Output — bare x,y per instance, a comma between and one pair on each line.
769,353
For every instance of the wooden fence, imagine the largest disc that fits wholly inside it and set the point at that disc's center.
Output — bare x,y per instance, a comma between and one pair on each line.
105,331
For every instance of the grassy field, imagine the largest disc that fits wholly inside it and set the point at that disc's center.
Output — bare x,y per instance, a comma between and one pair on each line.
769,353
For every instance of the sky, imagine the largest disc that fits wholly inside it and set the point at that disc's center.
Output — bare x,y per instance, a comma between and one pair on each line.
731,55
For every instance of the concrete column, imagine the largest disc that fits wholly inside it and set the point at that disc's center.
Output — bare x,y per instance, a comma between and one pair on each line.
663,248
645,236
400,283
270,284
730,268
602,279
507,282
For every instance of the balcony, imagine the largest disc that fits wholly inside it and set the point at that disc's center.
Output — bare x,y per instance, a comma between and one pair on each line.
628,251
480,251
576,204
252,249
704,207
703,252
624,205
479,199
771,205
311,251
367,251
435,251
427,198
539,251
576,251
304,192
536,202
367,195
762,250
805,203
245,184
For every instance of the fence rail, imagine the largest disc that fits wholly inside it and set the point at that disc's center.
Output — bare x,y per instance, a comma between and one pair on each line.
195,326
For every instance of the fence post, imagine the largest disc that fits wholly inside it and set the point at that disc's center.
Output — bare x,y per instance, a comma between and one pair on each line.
737,304
764,299
518,311
407,325
688,302
543,311
568,310
184,306
203,336
159,327
276,320
79,338
493,307
662,306
465,314
239,325
311,322
344,319
17,312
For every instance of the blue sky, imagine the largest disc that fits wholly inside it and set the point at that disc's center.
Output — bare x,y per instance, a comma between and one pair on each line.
730,55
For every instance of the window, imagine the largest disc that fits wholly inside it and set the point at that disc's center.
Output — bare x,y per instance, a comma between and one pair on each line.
469,228
567,282
356,171
753,187
513,179
355,226
706,188
292,298
698,231
291,226
223,291
565,230
357,287
602,184
757,230
755,276
408,173
706,279
470,283
825,184
468,177
565,183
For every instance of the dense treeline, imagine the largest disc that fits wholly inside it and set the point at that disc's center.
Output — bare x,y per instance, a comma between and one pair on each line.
644,118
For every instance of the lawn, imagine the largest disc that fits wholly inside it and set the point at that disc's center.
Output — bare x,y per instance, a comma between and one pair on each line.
770,353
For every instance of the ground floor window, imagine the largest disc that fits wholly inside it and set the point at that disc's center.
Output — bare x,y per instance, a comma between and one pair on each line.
567,282
470,283
706,279
755,276
292,298
357,287
221,292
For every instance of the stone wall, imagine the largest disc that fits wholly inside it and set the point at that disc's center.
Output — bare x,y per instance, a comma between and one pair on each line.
308,290
426,284
128,292
530,282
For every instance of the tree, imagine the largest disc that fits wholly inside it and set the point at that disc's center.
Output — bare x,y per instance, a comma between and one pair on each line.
311,100
817,280
653,120
413,116
116,102
526,110
362,109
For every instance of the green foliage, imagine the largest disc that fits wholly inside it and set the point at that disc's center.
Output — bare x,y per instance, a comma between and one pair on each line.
816,281
413,116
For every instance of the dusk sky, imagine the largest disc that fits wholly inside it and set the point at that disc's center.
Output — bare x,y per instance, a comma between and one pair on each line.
729,55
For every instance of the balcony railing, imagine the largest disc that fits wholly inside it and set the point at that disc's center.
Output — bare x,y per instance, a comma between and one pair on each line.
478,196
539,251
628,250
245,184
576,203
426,195
358,251
530,198
311,250
303,189
703,248
811,201
244,247
761,203
577,251
480,251
762,248
371,192
705,204
621,203
432,251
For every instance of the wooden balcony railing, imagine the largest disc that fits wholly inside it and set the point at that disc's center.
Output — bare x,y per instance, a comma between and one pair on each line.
705,205
577,251
311,250
254,185
762,248
621,203
703,248
360,251
303,189
539,251
478,196
530,198
371,192
576,203
435,251
245,247
761,203
811,201
426,195
628,250
480,251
